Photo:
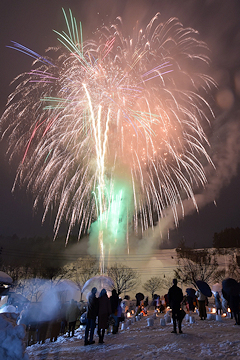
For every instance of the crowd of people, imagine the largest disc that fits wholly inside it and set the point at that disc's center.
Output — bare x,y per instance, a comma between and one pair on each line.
222,301
106,310
113,307
195,299
103,312
41,324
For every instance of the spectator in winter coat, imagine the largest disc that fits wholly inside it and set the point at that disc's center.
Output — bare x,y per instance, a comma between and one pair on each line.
29,318
190,303
72,315
63,314
55,324
166,300
114,300
120,313
201,304
125,303
92,312
175,297
104,311
146,302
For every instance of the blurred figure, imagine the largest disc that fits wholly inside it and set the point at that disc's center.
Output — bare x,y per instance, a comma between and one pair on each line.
145,304
104,312
34,315
55,324
166,300
125,303
234,306
162,305
190,304
120,313
201,304
63,315
42,329
175,297
138,301
92,311
29,318
23,317
114,300
72,315
217,300
224,304
42,325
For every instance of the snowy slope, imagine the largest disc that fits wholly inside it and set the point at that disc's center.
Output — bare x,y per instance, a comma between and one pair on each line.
203,340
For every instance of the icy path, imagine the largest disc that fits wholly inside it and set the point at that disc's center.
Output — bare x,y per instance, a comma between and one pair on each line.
203,340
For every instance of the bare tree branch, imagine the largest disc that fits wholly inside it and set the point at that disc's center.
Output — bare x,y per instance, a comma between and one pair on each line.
153,284
125,278
196,265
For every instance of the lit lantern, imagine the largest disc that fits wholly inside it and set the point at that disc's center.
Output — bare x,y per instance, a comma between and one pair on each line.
213,310
128,314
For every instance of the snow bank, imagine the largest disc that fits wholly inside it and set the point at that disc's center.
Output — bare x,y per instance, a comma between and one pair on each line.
200,340
12,338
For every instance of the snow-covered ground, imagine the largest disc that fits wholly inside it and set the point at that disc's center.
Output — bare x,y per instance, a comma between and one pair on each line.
208,339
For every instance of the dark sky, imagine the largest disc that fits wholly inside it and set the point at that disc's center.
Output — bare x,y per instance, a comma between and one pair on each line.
31,23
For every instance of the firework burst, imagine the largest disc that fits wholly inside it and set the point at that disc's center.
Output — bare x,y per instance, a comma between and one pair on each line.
110,110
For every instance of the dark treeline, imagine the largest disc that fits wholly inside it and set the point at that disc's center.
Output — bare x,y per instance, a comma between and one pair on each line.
16,250
227,238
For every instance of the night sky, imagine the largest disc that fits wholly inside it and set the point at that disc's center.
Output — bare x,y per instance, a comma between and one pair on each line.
31,23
